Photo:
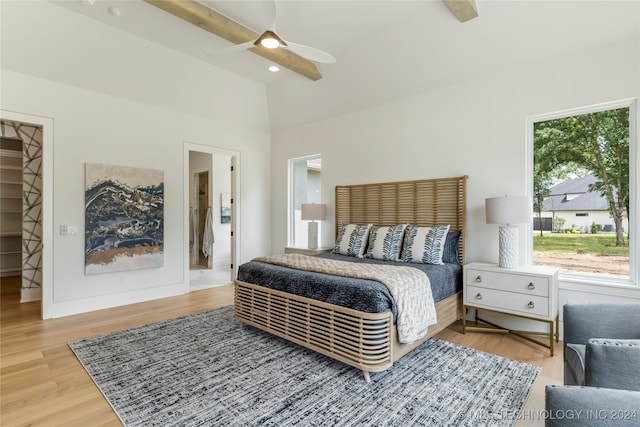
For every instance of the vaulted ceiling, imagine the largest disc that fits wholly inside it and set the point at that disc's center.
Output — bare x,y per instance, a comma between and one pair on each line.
383,48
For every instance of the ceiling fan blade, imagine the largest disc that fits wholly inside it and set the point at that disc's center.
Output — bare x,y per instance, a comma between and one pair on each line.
237,47
310,53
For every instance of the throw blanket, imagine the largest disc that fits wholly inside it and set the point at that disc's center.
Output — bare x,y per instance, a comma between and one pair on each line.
409,287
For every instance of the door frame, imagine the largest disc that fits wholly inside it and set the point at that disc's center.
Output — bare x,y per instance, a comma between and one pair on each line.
235,205
46,296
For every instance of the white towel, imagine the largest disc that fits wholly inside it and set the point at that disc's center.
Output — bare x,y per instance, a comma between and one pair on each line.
193,233
208,239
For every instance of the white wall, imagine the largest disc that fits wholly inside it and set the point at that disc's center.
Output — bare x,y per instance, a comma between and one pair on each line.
476,127
145,129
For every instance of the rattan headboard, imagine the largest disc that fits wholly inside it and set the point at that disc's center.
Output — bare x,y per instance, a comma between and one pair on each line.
426,202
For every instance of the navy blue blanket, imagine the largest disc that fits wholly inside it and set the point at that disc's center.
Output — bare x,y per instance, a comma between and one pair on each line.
363,295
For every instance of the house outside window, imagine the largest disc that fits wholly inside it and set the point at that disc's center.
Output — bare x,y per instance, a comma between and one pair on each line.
584,187
572,206
304,187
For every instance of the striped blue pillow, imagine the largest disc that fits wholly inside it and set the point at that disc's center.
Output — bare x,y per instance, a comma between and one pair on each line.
424,245
352,239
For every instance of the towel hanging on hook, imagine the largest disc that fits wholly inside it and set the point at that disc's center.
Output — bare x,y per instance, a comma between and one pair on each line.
193,235
208,238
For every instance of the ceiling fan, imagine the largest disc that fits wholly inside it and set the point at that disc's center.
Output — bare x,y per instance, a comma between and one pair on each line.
270,39
296,57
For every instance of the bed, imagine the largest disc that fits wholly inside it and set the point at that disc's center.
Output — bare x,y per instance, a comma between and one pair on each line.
267,296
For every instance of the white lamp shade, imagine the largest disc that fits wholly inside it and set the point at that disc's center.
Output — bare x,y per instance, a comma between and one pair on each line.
313,212
509,210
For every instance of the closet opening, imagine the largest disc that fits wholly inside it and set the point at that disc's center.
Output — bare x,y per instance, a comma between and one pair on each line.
21,209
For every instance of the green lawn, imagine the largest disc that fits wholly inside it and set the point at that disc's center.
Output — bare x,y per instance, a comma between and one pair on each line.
580,243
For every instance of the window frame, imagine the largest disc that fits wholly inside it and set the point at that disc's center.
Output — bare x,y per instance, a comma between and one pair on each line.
291,220
634,187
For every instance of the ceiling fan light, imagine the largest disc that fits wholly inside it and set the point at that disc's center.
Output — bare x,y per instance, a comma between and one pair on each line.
269,40
269,43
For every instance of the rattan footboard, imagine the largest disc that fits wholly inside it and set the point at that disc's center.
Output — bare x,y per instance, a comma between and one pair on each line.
367,341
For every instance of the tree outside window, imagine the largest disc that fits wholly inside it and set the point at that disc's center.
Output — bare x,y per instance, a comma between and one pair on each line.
581,192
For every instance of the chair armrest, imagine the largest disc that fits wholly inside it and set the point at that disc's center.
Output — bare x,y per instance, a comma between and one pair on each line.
590,407
613,364
611,320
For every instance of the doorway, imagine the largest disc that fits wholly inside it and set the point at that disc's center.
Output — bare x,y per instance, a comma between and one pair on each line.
211,225
28,169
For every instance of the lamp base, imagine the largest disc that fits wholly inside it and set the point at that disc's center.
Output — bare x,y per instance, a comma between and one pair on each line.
312,235
509,246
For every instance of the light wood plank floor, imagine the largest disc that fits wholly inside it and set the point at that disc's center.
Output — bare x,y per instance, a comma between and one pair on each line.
43,384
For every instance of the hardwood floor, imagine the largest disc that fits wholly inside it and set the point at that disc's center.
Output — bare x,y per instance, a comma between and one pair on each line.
43,384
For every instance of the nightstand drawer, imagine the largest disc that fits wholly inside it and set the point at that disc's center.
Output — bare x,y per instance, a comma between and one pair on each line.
529,292
527,305
509,282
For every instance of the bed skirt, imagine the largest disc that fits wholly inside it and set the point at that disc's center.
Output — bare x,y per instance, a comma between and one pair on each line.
367,341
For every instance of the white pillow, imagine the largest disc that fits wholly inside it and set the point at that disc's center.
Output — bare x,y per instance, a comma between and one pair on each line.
424,245
385,242
352,239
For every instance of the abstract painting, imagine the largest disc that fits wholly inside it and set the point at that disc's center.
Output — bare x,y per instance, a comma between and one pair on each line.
124,218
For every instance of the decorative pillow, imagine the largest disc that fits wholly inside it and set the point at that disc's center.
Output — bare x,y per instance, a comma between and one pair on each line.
424,245
450,253
385,242
352,239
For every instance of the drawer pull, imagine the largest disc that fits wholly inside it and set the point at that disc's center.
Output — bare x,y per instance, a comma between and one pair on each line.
478,278
478,296
531,286
531,304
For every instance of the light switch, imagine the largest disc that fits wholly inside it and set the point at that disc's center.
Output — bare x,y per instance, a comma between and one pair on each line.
68,230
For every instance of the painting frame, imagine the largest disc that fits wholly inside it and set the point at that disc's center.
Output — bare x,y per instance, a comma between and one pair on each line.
124,218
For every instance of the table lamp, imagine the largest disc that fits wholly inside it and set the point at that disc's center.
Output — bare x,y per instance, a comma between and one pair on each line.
313,212
507,211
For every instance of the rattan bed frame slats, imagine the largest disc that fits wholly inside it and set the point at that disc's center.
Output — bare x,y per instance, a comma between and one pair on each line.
365,340
342,333
426,203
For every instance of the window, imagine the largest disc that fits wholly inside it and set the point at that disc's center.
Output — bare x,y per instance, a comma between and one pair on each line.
584,187
304,187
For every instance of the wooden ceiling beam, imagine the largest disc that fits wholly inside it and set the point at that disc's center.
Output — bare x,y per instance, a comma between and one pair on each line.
464,10
218,24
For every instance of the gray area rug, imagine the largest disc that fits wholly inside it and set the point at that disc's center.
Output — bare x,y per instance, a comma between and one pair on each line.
205,370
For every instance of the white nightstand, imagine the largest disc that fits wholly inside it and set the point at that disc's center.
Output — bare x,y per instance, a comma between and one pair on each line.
526,292
306,251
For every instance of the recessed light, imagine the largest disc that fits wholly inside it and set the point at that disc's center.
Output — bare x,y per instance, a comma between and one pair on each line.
274,68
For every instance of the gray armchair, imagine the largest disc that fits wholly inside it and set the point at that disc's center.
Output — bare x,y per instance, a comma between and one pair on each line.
601,367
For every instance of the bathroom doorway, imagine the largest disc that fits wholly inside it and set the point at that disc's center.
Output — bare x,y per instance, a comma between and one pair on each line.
211,221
